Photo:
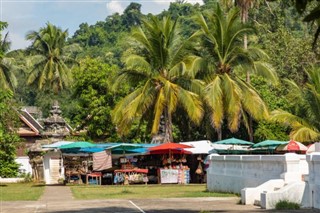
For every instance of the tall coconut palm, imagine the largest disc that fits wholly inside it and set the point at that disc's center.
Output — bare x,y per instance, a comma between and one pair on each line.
304,121
7,77
228,95
50,58
161,70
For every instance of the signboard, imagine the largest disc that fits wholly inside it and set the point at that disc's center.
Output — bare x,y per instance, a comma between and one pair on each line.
169,175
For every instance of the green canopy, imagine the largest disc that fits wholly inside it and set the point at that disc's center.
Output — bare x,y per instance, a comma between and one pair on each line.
269,144
77,145
234,141
124,148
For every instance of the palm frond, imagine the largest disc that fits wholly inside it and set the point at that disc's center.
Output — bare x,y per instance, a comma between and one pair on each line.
214,99
232,102
192,104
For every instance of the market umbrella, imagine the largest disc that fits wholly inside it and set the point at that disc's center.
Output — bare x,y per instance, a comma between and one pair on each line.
170,148
91,149
269,144
124,148
77,145
292,146
234,141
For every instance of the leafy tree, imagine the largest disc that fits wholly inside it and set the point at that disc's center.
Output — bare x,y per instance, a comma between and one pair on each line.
7,77
162,77
313,16
95,99
51,58
304,121
227,95
132,15
8,138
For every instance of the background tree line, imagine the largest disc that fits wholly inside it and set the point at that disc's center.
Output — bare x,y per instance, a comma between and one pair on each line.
177,73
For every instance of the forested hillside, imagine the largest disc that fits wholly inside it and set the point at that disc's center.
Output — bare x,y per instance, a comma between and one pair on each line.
212,71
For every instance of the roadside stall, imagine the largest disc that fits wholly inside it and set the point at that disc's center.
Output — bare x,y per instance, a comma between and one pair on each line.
84,161
196,161
174,167
126,156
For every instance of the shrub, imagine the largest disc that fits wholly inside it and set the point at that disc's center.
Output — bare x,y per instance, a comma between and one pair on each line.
287,205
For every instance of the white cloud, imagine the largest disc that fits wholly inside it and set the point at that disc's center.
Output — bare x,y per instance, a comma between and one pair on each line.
115,7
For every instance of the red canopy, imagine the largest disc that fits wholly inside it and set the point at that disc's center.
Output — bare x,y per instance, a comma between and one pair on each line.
171,148
292,146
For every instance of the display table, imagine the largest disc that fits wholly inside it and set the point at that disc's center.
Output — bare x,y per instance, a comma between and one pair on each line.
73,177
127,176
181,176
145,171
94,175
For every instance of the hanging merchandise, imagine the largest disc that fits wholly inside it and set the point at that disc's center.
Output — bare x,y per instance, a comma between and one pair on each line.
199,170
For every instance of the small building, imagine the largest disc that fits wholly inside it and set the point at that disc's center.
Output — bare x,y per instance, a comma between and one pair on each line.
35,132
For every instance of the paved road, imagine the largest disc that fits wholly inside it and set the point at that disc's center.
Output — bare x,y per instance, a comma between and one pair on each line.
58,199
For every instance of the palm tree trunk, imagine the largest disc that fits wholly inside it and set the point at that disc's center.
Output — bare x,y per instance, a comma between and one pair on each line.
219,132
168,126
244,19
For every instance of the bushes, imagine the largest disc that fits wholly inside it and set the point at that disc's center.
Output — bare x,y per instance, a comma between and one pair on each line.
287,205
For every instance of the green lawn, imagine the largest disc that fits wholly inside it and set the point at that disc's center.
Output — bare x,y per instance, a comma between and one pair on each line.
20,191
142,191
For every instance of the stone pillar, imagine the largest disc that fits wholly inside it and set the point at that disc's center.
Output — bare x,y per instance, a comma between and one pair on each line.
314,180
292,168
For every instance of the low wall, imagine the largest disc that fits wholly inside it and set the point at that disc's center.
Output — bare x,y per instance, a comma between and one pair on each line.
231,173
314,180
25,166
11,180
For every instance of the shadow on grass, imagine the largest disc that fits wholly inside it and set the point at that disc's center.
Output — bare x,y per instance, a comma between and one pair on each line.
3,185
38,185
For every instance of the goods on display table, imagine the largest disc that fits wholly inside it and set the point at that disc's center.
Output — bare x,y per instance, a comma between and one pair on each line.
129,176
129,172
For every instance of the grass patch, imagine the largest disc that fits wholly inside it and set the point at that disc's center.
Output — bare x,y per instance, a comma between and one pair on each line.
20,191
143,191
287,205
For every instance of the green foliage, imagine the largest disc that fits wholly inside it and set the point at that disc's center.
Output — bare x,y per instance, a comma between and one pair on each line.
27,177
7,78
228,97
287,205
8,138
286,39
304,119
51,59
160,68
95,99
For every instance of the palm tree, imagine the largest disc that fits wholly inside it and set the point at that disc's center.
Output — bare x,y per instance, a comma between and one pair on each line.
161,70
227,95
7,77
51,58
304,122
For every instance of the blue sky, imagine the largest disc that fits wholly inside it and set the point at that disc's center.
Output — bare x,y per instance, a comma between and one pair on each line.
26,15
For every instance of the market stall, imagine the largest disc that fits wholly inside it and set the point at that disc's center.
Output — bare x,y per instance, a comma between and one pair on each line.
174,164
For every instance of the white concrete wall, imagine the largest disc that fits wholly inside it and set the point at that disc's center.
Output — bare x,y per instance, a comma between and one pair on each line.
46,166
293,192
231,173
314,179
253,195
24,164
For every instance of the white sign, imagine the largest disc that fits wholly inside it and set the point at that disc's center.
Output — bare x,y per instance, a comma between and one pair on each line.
169,175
